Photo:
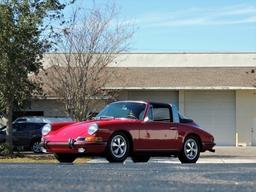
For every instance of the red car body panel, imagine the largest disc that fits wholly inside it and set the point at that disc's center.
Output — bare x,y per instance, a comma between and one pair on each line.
145,136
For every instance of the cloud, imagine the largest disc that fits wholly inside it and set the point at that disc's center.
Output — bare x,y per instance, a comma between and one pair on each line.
180,22
233,15
238,10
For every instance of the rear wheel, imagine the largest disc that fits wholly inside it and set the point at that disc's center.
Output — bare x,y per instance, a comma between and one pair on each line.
191,150
140,158
36,147
65,158
117,148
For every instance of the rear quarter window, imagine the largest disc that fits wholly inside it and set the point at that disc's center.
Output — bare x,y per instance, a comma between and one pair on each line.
161,114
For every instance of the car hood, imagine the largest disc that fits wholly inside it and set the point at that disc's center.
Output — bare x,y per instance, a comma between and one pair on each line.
70,131
80,129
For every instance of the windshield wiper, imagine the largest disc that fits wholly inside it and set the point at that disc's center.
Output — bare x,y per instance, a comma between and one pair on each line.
105,117
130,116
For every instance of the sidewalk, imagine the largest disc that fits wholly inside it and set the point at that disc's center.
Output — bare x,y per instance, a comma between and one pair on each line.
221,155
231,152
229,155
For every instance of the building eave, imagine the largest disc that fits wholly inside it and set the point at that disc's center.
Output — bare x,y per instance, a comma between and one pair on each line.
181,88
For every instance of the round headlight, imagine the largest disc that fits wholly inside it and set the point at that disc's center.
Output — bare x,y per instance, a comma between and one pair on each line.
92,128
46,129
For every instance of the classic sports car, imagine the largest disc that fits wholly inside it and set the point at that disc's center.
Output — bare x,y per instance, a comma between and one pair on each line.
129,128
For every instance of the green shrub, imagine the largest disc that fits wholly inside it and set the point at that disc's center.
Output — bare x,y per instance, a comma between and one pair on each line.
5,149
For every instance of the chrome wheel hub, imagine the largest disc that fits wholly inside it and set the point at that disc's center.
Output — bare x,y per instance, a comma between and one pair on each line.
191,149
118,146
36,147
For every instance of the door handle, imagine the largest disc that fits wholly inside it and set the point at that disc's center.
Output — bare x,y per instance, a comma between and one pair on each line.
173,128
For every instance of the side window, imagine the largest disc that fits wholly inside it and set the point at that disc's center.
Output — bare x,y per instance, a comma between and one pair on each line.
38,126
19,126
176,117
31,126
150,113
34,126
162,114
141,115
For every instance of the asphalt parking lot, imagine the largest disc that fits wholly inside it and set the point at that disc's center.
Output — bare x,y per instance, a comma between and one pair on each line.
127,177
222,171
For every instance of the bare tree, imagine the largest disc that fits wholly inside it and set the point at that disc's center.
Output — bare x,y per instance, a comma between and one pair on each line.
78,75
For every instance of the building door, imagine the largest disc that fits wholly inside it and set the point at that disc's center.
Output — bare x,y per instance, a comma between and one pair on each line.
215,112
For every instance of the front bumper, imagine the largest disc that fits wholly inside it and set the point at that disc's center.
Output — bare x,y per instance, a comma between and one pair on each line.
208,146
72,146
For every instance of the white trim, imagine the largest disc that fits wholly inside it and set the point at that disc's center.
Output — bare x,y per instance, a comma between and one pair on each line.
176,59
182,88
57,98
46,98
169,52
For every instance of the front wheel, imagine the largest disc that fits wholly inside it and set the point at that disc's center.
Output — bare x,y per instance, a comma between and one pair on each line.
36,147
117,148
190,151
65,158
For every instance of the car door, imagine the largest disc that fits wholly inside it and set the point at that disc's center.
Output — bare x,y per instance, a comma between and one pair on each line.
20,134
35,131
32,131
159,133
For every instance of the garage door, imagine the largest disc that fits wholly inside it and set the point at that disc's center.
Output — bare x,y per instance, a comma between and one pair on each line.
155,96
214,111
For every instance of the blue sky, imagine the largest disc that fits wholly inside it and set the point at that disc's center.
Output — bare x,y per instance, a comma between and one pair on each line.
189,25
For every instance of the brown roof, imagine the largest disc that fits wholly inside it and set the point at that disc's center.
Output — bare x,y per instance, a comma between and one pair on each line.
174,78
184,77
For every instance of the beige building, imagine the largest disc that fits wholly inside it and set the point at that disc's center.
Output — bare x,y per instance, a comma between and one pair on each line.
217,90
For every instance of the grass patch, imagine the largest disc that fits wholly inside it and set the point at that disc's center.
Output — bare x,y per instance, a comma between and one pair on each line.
44,158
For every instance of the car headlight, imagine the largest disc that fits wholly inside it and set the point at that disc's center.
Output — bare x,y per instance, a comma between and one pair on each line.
93,128
46,129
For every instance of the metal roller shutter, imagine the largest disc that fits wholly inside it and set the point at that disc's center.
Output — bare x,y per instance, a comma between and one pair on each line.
214,111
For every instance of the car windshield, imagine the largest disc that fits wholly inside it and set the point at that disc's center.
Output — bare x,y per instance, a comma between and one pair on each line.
131,110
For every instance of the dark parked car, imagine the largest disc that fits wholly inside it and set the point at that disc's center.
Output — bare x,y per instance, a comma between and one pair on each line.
25,134
27,131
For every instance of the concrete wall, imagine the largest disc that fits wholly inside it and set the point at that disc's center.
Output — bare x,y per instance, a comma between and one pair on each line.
55,108
123,95
154,96
246,117
50,107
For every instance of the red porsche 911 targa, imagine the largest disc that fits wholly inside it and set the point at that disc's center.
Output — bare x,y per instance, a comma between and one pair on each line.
129,128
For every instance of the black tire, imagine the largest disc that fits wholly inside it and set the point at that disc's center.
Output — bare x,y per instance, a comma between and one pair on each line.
140,158
65,158
190,151
36,146
118,148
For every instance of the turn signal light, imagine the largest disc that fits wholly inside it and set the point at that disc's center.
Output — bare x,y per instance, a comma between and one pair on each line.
93,139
